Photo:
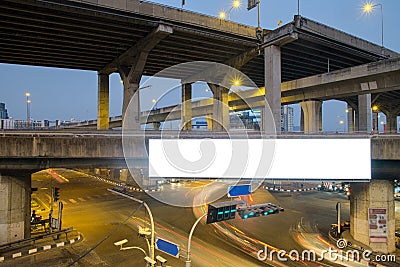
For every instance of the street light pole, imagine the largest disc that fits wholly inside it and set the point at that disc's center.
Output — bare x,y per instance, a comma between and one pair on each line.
188,261
151,252
28,111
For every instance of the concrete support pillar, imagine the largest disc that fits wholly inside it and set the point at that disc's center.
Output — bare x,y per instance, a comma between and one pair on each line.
103,101
320,119
123,175
15,208
272,61
364,113
156,125
130,96
186,107
377,194
350,119
375,122
391,122
312,111
301,120
220,117
356,121
209,122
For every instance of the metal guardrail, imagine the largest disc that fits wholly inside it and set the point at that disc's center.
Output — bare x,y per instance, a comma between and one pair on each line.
28,241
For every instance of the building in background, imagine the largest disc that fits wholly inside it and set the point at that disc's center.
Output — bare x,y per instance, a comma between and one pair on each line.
3,111
287,119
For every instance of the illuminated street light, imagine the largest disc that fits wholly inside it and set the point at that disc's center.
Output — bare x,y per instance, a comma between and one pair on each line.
341,121
235,4
237,82
369,7
375,109
28,109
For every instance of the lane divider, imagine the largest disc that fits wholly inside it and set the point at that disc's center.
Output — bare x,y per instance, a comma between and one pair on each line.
290,190
39,249
112,182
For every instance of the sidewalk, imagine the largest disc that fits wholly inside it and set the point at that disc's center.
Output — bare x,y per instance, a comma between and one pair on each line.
25,248
353,244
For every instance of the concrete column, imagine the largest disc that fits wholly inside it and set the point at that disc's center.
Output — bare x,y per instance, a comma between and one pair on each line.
123,175
356,121
209,122
301,120
220,109
350,119
375,122
320,119
391,122
272,61
364,113
186,107
103,100
156,125
376,194
311,111
15,208
134,111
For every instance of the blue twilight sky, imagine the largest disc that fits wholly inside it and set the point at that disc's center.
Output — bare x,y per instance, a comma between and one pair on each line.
65,94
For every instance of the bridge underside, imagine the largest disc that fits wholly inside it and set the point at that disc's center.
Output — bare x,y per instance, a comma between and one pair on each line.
81,35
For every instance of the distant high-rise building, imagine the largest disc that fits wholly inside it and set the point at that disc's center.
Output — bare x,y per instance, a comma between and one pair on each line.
286,119
3,111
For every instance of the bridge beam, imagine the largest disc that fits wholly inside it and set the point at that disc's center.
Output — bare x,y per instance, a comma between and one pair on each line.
103,101
378,194
136,58
272,62
312,115
15,208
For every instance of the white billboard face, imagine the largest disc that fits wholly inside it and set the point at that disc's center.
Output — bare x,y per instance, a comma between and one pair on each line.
333,159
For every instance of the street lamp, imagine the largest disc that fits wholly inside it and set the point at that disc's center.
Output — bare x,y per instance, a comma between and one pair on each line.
375,114
235,4
28,110
368,8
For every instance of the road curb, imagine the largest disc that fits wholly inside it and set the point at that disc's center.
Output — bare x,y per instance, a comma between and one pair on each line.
116,183
39,249
290,190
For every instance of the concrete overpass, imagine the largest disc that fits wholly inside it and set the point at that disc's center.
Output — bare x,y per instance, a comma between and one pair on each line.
32,151
22,153
136,38
380,79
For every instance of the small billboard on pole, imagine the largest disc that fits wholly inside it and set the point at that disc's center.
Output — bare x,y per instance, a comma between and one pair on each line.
252,4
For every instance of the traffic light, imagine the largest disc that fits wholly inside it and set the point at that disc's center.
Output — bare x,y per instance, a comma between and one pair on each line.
257,210
221,211
56,194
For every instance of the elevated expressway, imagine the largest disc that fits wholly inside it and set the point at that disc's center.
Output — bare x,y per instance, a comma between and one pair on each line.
31,151
380,79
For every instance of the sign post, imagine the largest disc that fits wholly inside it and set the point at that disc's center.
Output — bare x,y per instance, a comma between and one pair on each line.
167,247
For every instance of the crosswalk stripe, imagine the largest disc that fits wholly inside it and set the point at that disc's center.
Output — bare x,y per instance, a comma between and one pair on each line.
73,201
81,199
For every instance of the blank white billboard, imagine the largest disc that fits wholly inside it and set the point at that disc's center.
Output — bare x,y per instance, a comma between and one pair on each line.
261,158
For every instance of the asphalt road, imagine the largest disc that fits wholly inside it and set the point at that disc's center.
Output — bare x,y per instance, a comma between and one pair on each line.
96,212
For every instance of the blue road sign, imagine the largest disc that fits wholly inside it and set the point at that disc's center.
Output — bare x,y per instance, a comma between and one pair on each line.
167,247
239,190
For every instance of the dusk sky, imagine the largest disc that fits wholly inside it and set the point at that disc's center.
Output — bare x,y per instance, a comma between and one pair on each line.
65,94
